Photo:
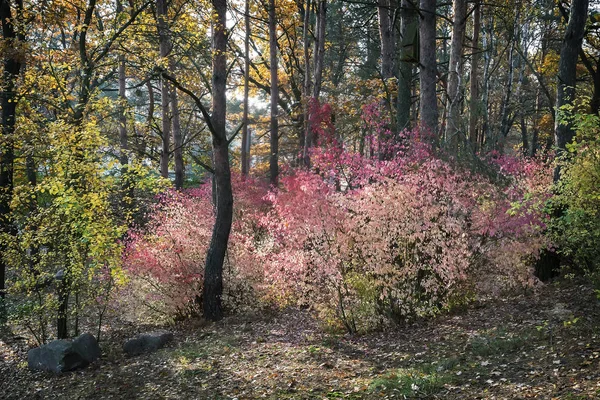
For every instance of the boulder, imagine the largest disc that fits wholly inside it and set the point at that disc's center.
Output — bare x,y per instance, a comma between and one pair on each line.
147,343
87,347
64,355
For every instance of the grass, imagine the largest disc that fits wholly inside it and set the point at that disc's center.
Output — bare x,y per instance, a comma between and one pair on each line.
425,381
497,343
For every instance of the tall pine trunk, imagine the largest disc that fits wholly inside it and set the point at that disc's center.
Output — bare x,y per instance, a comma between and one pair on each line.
245,139
474,105
177,136
274,156
453,128
405,68
164,49
428,67
307,84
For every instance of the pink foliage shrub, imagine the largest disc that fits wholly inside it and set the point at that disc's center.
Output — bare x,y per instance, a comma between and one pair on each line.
167,256
361,239
407,236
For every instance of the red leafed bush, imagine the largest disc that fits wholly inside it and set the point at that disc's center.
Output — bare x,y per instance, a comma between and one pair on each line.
361,239
165,260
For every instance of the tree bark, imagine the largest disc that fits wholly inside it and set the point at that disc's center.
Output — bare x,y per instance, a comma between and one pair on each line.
8,103
405,68
428,67
386,36
319,48
274,156
177,137
453,92
474,78
245,149
164,48
213,272
307,85
567,71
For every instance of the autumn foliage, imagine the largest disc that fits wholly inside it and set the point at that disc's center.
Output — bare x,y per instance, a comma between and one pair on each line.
361,240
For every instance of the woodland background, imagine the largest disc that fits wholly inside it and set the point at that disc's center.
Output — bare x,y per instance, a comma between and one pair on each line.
374,162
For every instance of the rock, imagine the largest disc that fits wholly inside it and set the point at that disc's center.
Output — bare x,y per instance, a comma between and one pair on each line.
87,346
147,343
64,355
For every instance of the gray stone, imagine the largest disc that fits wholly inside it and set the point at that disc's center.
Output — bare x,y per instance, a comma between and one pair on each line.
87,346
64,355
147,343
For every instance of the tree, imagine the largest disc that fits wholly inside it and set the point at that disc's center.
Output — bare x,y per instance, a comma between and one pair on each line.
474,77
13,61
274,156
567,71
165,49
213,271
245,134
453,128
428,66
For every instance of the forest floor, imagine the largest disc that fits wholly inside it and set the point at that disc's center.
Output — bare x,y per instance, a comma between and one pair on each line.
541,346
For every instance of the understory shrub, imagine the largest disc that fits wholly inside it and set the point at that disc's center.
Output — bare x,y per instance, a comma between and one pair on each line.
396,234
576,226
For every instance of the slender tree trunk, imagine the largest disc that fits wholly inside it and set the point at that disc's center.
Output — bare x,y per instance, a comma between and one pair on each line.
405,68
245,138
567,71
165,48
124,143
474,107
386,36
506,120
428,67
488,45
123,140
142,144
213,272
524,137
319,48
274,157
454,78
8,103
385,13
177,137
595,102
307,85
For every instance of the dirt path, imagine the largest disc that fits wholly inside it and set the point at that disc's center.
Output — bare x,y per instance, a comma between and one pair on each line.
540,346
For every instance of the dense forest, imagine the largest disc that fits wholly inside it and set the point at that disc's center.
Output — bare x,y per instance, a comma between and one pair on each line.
356,166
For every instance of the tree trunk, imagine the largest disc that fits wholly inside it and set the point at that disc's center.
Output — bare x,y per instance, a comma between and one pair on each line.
213,272
567,72
274,156
453,92
428,67
8,103
524,137
485,139
307,85
319,48
387,41
405,68
474,78
124,146
386,35
506,120
164,48
245,139
177,137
